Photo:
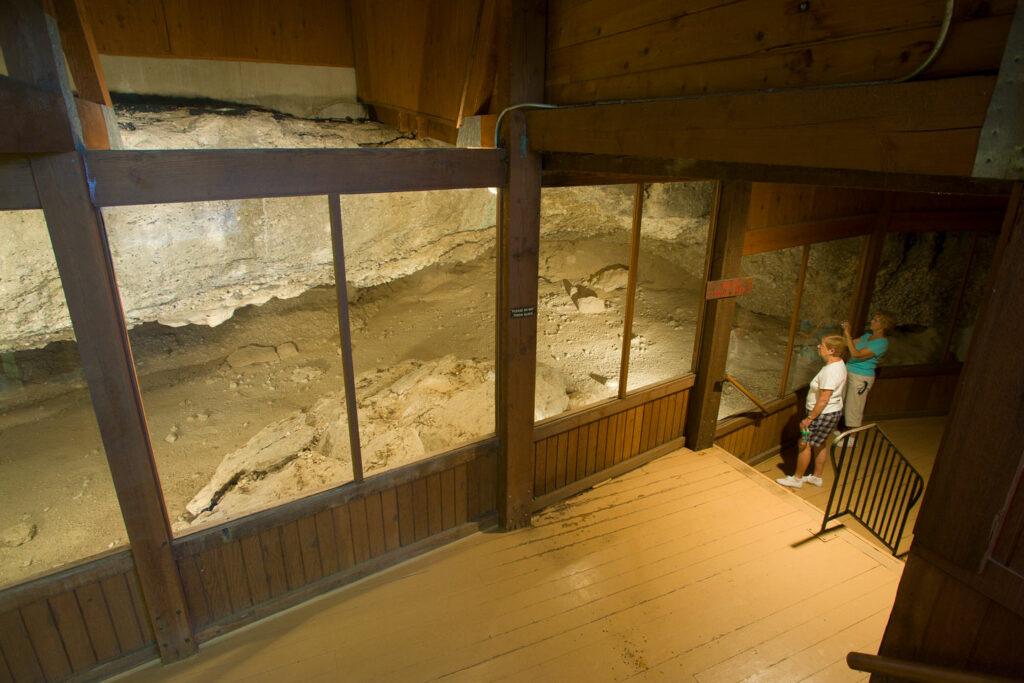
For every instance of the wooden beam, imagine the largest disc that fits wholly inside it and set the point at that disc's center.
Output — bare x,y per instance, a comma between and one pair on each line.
725,248
800,234
961,507
34,120
80,50
521,71
867,269
35,101
87,274
926,127
17,188
634,265
946,221
567,169
158,177
345,330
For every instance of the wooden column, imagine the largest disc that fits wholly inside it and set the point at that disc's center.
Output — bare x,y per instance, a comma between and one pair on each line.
725,249
634,261
87,275
32,49
870,257
521,80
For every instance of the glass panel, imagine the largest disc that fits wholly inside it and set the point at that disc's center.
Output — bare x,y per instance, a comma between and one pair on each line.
918,279
974,294
673,244
584,264
422,316
828,292
233,323
757,345
57,500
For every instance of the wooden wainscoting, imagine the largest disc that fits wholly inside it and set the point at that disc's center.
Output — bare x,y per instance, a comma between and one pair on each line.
912,391
573,452
238,572
90,621
85,620
754,437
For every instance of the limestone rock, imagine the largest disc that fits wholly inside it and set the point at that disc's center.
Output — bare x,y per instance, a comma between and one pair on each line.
590,304
268,450
249,355
17,535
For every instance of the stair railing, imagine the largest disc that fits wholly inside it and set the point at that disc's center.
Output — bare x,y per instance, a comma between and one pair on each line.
874,483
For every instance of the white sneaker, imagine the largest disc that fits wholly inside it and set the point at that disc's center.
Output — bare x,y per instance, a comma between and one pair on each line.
791,481
813,480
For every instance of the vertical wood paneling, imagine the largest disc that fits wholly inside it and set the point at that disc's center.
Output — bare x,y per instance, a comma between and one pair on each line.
291,552
461,491
448,499
343,536
360,534
211,572
101,628
638,430
328,542
43,634
539,466
582,435
237,579
17,648
195,594
73,633
473,489
572,439
309,547
489,482
551,464
406,514
273,561
255,569
645,434
419,500
389,508
622,437
375,525
119,602
562,456
592,435
434,503
602,444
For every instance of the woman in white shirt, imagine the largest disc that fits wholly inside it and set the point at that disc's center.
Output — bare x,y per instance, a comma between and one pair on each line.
824,408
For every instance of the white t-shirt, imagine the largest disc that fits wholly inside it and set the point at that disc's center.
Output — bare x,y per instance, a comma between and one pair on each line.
832,376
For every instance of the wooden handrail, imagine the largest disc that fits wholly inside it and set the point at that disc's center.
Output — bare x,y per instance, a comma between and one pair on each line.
916,671
743,390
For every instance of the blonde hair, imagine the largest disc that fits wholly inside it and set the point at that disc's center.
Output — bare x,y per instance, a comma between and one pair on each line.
837,345
887,320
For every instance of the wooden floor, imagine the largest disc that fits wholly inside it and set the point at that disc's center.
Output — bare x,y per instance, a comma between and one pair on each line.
916,438
694,567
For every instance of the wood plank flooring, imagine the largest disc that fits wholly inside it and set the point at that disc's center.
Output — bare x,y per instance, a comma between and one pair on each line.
693,567
917,439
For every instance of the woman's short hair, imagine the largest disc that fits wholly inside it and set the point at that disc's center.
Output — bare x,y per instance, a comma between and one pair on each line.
887,320
836,344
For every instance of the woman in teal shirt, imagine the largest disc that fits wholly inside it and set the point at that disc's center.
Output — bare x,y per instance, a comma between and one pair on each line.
864,356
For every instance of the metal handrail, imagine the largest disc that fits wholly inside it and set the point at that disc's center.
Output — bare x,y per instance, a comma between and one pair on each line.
746,392
916,671
874,483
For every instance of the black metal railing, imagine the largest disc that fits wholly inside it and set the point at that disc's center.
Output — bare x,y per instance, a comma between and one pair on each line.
874,483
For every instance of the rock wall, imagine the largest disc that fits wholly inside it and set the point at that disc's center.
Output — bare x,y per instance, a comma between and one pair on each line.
197,263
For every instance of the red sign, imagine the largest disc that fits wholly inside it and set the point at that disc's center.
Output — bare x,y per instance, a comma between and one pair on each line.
722,289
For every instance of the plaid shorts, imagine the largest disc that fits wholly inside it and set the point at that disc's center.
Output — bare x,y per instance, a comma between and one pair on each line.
820,428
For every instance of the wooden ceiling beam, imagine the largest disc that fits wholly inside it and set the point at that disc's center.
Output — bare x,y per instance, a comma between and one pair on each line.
572,168
920,128
159,177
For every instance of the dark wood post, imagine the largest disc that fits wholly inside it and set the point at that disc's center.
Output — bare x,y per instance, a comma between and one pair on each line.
521,80
82,253
870,257
725,249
